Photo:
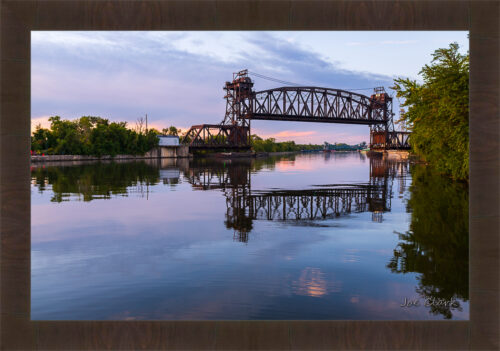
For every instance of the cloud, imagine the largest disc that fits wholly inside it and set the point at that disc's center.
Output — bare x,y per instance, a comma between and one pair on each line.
398,42
325,132
384,42
356,43
43,121
291,133
175,77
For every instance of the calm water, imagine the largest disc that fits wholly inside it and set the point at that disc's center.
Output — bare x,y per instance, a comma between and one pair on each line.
308,236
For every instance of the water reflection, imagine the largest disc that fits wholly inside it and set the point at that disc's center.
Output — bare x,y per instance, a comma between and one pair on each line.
311,283
91,181
436,245
431,256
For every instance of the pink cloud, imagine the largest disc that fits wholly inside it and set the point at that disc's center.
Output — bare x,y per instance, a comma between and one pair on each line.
292,133
314,137
43,121
285,135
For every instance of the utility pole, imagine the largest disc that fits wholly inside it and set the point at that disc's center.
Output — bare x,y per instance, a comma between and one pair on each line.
146,123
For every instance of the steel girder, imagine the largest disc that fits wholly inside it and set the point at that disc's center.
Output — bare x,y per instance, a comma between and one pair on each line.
206,136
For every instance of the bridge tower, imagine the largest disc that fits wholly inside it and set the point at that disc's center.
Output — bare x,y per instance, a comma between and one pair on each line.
234,130
237,92
380,100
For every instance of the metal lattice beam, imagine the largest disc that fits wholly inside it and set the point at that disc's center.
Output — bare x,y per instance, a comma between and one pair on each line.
314,104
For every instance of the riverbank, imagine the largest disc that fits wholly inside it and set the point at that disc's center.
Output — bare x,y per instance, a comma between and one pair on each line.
158,152
162,163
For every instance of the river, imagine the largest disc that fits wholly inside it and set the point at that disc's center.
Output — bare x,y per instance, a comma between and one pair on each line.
313,236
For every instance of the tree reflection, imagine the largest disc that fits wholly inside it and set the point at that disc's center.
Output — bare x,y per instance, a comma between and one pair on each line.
436,245
96,180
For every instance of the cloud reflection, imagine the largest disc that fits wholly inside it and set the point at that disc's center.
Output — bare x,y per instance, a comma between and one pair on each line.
312,282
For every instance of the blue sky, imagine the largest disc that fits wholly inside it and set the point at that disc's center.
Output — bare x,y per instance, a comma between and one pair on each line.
177,77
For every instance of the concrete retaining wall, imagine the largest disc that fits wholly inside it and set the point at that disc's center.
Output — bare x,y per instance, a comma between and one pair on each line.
158,152
397,154
177,151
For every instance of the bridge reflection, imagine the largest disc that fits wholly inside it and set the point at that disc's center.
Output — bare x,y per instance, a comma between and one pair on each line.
293,206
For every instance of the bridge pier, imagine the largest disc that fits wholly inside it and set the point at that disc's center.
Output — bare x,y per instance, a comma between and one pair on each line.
170,151
389,140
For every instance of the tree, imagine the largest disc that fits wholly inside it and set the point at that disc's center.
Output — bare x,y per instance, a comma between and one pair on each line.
139,125
437,111
67,137
155,131
171,131
91,135
42,139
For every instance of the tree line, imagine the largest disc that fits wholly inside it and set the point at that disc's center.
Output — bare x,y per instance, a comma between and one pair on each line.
89,135
437,112
271,145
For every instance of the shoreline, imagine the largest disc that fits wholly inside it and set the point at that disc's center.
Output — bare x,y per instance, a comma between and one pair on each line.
253,154
73,158
154,154
159,152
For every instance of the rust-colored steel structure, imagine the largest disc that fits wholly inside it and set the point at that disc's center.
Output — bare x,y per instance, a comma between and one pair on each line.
298,104
389,140
313,104
217,136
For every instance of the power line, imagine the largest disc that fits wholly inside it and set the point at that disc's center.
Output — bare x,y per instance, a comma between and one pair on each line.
273,79
276,80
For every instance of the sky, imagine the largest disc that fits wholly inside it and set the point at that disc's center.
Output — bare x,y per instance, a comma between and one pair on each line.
176,78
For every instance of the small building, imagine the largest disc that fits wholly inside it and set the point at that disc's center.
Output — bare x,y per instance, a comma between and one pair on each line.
168,140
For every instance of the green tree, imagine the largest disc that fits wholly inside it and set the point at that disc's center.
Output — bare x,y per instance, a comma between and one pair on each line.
90,135
171,131
270,145
437,111
42,139
156,131
67,137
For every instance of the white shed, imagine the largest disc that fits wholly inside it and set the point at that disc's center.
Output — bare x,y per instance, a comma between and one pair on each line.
168,140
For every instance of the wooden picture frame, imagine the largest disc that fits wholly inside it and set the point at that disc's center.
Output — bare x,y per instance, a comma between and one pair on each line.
19,18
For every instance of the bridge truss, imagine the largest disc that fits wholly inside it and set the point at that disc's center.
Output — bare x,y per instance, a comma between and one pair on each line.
217,136
313,104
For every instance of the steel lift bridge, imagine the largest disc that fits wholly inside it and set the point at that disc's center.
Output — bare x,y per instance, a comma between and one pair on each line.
299,104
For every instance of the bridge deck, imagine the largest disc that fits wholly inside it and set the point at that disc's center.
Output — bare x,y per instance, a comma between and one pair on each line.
291,118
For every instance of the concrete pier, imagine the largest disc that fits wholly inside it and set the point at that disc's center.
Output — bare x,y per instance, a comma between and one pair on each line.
397,154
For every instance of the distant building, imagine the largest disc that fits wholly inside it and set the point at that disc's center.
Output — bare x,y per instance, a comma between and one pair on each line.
168,140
